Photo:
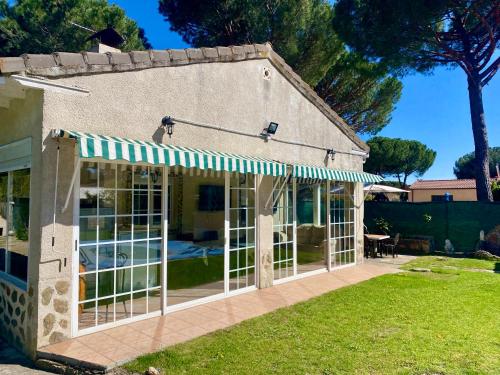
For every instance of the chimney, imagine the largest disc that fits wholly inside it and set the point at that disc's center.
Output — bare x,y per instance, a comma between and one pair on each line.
108,40
103,48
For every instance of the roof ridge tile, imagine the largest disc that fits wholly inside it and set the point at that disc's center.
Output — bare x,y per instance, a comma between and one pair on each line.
60,64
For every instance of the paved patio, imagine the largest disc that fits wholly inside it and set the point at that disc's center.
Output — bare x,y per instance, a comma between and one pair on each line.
113,347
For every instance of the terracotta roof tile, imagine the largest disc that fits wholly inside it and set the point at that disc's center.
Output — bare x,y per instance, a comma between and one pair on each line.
62,64
444,184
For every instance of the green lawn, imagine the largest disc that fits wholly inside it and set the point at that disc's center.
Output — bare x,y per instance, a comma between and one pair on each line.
442,322
437,262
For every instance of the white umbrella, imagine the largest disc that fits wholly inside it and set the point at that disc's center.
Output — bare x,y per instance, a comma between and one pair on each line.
383,189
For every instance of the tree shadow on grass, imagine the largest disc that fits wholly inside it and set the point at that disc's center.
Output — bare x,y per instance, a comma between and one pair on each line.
497,267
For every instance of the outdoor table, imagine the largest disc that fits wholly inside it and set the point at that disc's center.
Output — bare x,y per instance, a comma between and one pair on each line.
375,239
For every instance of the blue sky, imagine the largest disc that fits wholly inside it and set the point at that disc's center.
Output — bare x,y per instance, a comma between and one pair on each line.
433,109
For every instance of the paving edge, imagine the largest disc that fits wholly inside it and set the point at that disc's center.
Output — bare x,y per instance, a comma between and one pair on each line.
61,364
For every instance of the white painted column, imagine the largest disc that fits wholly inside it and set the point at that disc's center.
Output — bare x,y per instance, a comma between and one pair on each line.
264,232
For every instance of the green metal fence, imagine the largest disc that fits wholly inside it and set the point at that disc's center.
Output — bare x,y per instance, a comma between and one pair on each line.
460,222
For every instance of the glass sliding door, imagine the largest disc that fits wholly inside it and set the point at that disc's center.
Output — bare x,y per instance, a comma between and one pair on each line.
241,231
311,226
283,228
120,236
195,248
342,234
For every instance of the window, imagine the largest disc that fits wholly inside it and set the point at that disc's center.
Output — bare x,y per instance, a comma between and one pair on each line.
14,223
283,257
342,224
311,226
241,231
120,242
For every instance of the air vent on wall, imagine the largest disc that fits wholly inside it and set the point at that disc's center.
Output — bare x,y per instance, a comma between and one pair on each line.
266,73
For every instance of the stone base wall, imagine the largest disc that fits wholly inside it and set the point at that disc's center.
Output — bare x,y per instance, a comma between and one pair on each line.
16,309
54,310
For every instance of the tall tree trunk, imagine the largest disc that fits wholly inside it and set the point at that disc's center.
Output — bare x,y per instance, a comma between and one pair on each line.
483,186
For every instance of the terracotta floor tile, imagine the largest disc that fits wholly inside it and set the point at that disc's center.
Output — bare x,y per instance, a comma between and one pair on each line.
173,339
96,358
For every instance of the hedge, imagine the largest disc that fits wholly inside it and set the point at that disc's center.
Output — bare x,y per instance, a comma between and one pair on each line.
460,222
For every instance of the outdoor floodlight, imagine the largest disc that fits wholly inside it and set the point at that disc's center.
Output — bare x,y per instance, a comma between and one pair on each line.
168,123
271,129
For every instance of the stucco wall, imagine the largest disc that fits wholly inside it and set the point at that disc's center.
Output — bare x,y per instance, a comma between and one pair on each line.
458,194
18,308
233,95
131,104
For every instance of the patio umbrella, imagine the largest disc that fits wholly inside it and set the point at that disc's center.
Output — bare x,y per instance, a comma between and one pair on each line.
383,189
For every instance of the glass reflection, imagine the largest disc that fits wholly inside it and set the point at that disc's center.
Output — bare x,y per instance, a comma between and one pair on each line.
196,238
311,227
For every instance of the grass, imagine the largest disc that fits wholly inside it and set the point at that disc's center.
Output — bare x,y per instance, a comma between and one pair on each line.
441,262
408,323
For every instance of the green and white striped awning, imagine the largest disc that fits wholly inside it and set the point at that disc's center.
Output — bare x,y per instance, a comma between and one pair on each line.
321,173
115,148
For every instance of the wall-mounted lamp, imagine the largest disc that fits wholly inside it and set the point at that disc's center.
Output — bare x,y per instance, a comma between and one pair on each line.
330,154
168,123
271,129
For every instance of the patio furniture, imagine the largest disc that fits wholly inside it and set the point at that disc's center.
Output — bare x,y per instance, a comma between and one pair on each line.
375,239
391,245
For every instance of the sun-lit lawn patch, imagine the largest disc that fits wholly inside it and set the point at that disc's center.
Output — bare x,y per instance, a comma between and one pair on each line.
448,262
409,323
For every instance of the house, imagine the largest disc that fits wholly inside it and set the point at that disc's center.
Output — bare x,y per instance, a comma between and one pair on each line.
435,190
136,184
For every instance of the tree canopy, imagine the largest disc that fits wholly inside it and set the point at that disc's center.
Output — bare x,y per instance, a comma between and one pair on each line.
33,26
418,35
400,158
301,31
465,166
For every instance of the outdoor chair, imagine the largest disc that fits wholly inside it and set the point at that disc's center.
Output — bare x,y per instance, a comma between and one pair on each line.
392,246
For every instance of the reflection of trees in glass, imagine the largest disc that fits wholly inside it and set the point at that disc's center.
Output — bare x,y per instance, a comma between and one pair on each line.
21,194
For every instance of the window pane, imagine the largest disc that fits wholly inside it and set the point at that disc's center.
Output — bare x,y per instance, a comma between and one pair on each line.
124,228
140,178
140,252
86,315
87,285
154,251
88,230
106,256
106,202
107,175
88,202
124,179
154,276
88,257
4,207
124,202
88,175
140,227
155,226
139,278
19,224
156,179
123,254
140,202
106,229
106,284
123,280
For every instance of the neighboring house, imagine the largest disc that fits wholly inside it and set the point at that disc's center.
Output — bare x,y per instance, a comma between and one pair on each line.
435,190
108,220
